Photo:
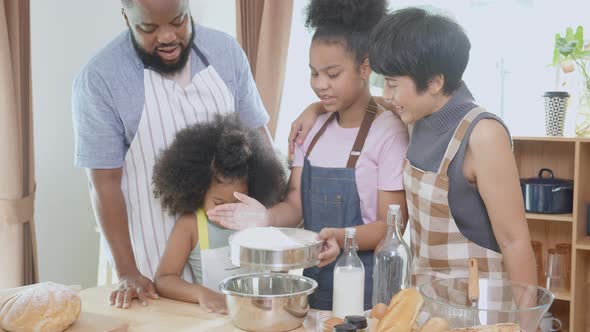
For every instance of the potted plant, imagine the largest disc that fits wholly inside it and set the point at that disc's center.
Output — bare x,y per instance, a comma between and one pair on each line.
570,52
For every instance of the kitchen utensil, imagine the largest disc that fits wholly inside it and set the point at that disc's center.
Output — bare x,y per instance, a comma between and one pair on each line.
500,301
267,301
555,110
279,259
547,194
556,274
473,290
548,322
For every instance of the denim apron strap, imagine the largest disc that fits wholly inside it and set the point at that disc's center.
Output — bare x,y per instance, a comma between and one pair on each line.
330,199
361,137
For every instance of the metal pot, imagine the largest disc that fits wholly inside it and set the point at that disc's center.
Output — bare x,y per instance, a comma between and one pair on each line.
267,301
547,194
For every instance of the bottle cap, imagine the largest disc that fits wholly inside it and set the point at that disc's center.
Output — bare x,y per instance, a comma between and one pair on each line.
350,231
394,207
344,328
360,322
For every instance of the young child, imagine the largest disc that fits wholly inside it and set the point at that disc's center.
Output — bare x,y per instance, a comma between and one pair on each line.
460,175
205,165
349,170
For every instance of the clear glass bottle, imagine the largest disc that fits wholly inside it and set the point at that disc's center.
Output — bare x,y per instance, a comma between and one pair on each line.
349,280
392,259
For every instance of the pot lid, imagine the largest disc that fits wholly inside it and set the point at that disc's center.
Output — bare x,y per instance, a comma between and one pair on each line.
546,177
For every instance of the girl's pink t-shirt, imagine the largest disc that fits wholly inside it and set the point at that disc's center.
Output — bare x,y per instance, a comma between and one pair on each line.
379,166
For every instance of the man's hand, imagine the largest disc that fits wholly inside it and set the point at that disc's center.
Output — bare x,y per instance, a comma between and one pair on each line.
133,286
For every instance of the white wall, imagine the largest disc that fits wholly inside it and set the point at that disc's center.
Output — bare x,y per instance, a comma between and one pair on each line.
217,14
64,36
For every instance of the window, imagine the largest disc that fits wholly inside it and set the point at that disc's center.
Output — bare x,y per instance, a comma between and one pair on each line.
511,48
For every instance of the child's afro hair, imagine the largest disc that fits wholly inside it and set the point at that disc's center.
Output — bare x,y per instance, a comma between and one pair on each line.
221,149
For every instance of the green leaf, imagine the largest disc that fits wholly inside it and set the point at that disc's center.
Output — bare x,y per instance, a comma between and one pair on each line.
565,46
569,34
585,55
579,37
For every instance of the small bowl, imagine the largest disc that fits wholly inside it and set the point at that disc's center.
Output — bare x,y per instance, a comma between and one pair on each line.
267,301
322,324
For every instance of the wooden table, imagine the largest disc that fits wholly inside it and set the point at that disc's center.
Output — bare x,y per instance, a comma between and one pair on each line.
161,315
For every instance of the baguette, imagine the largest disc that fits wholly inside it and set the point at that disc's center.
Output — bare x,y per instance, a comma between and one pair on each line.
435,324
402,312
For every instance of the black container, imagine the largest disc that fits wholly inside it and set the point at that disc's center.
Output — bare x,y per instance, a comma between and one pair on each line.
547,194
344,328
360,322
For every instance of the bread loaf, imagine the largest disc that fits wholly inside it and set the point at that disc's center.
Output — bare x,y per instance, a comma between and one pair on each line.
46,307
402,312
435,324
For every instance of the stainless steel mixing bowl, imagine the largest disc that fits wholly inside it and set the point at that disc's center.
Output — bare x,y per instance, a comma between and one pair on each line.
280,260
267,301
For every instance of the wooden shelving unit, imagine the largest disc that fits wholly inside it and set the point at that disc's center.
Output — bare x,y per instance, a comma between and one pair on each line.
562,295
583,246
551,217
569,158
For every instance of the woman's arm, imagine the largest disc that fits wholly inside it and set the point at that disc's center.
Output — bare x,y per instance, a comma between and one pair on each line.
489,161
386,198
301,127
168,279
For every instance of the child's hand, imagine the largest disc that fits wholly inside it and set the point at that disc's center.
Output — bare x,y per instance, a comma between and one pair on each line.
238,216
212,301
330,247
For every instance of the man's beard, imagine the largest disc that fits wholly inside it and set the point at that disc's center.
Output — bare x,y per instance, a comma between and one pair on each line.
154,61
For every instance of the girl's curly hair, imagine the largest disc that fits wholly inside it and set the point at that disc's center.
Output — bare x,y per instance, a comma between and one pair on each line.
345,21
223,149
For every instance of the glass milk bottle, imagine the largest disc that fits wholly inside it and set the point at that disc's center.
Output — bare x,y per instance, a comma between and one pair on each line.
391,271
349,280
